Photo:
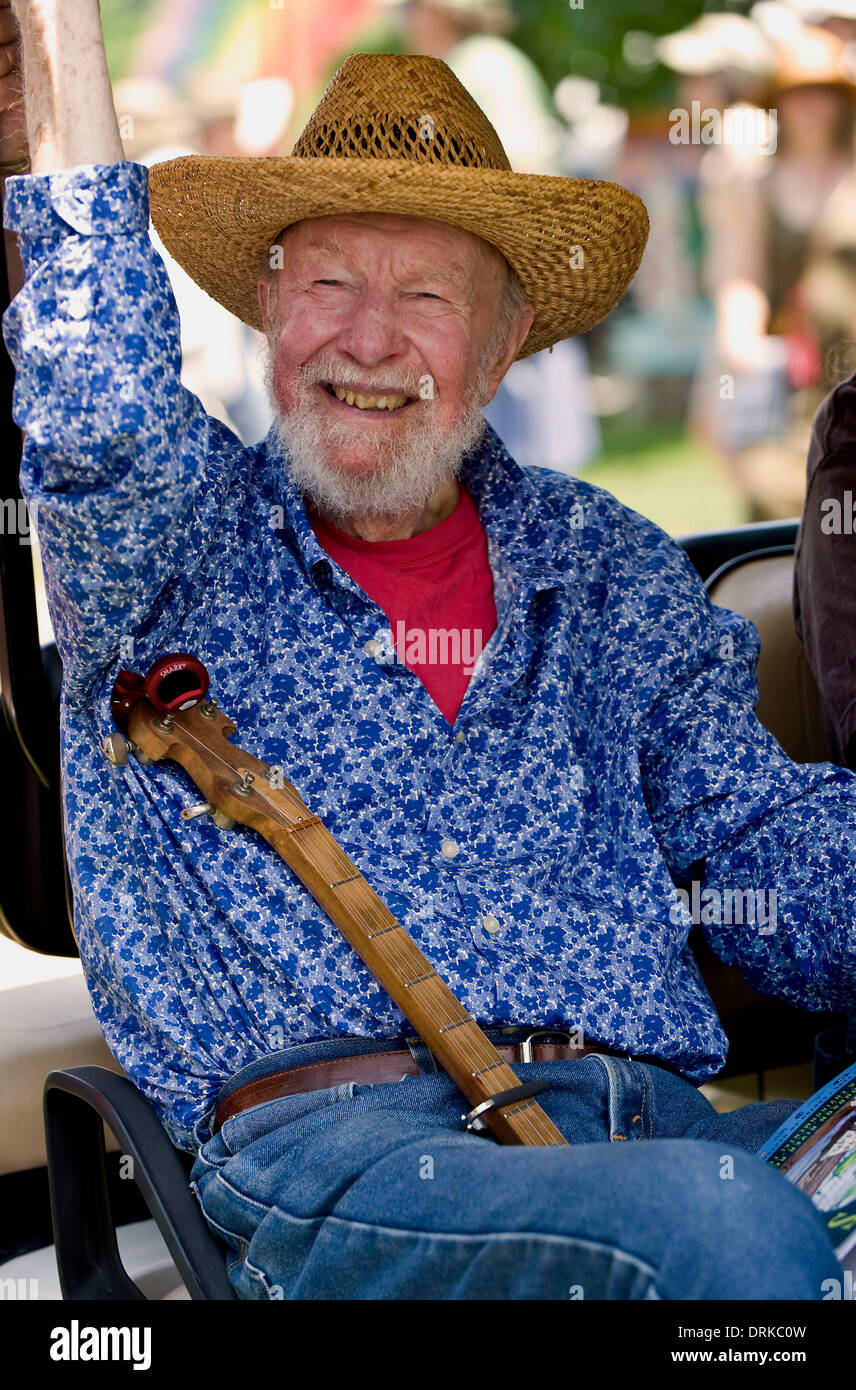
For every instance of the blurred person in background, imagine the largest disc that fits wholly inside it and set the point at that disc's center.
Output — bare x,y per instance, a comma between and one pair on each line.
543,409
719,61
780,226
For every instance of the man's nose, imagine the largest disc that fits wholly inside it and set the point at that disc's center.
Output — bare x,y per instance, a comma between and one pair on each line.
373,332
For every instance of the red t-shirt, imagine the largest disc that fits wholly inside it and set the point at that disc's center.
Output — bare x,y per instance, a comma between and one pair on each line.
436,589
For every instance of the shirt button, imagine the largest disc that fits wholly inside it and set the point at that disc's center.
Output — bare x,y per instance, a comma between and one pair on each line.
449,848
372,647
459,736
77,307
490,923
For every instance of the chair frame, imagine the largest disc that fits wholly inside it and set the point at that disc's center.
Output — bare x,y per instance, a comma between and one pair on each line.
78,1102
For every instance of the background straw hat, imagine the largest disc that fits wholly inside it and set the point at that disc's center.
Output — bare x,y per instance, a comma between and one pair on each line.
811,57
400,134
717,42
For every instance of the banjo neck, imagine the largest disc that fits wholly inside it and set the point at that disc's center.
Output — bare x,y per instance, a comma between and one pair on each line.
240,788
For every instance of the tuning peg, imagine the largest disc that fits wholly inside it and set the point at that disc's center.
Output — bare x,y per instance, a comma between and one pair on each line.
244,787
220,819
116,749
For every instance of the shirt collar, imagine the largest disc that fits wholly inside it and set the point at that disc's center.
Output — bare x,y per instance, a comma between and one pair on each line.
533,541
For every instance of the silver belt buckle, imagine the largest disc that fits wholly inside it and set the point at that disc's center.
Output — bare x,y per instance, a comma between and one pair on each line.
542,1034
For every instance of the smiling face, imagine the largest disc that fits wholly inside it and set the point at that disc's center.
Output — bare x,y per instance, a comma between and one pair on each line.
387,335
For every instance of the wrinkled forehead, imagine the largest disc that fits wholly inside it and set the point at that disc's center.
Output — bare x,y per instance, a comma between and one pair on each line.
379,236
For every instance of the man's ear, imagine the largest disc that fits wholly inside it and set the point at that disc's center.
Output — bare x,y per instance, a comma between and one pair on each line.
516,339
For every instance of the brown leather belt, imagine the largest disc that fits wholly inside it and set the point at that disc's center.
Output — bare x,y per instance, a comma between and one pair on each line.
373,1067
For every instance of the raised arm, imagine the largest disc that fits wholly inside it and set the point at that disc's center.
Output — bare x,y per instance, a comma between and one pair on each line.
70,118
123,471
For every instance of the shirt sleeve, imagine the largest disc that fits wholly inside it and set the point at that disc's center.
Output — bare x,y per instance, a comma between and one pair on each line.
772,839
123,471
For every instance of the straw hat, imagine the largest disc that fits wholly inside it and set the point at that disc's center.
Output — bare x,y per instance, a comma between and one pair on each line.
398,133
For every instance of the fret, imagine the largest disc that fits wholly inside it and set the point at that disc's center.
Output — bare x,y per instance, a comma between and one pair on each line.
493,1066
302,825
372,934
461,1023
519,1105
420,979
340,881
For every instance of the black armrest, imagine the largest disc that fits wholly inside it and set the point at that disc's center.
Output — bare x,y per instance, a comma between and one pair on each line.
834,1052
77,1103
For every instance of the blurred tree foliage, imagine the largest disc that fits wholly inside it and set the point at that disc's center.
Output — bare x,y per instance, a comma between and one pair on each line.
593,41
122,22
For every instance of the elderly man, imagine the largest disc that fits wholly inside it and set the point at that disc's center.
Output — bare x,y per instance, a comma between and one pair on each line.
524,799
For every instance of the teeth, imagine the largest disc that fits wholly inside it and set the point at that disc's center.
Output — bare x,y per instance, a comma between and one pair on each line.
369,402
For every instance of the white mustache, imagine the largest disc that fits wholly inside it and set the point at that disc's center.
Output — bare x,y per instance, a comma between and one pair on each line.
337,374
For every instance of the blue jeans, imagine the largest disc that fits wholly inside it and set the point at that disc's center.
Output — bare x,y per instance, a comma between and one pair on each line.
377,1192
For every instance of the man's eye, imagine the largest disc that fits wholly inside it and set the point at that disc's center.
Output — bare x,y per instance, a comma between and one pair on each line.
328,282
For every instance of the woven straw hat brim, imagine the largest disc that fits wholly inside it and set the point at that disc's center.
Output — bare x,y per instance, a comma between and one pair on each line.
575,243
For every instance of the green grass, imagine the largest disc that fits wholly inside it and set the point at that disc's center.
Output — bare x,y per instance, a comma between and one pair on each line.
660,471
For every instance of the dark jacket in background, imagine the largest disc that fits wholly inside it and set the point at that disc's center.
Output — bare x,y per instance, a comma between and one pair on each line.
825,572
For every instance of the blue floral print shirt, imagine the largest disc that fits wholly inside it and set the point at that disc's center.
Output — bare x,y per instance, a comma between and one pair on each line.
605,752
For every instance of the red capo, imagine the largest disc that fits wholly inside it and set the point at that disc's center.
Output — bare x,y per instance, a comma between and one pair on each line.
174,682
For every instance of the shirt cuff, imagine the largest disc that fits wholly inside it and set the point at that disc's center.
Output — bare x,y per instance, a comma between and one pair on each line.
92,199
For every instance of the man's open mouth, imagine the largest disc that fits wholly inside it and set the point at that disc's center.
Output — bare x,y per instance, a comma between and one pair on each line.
388,400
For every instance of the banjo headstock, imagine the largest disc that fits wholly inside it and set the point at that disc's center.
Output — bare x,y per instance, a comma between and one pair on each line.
168,714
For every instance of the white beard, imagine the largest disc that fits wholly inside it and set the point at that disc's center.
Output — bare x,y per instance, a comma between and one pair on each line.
403,471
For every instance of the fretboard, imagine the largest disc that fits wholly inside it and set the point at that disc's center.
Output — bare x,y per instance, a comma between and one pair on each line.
407,975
